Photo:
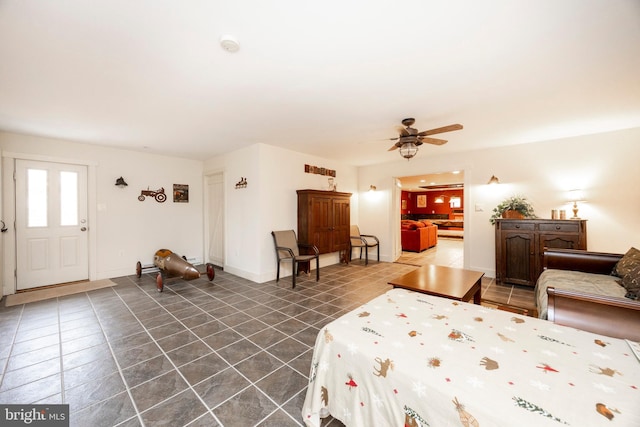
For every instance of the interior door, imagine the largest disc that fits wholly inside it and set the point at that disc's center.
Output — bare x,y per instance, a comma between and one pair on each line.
51,223
215,188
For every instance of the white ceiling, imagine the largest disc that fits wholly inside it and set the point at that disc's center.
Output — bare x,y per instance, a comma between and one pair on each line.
330,78
418,182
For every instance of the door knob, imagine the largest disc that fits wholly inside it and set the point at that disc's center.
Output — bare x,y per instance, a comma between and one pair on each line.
83,229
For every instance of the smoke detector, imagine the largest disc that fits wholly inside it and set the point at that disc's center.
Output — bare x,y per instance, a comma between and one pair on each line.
229,43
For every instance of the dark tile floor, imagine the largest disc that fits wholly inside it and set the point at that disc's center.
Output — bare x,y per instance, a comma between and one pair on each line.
229,352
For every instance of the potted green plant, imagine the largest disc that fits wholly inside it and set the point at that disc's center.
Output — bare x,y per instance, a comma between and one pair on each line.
517,207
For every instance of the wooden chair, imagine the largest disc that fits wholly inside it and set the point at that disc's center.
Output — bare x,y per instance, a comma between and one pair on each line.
361,241
288,249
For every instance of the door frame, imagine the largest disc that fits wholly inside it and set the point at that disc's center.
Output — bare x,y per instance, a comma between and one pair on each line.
206,214
396,204
9,262
396,195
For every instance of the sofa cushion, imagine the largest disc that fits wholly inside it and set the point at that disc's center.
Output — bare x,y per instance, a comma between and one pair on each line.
408,224
405,225
631,282
627,263
599,284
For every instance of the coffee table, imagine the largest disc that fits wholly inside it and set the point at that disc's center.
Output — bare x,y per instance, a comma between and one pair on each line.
453,283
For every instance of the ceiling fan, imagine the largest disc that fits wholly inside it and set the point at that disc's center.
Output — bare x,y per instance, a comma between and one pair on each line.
410,139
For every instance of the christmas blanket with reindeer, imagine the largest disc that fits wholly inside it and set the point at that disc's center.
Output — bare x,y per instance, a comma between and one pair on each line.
415,360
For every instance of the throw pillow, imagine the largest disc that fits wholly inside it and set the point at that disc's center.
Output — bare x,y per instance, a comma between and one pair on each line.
407,224
631,282
626,263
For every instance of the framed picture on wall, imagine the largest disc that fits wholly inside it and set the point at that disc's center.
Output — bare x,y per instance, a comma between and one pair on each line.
180,193
404,204
422,201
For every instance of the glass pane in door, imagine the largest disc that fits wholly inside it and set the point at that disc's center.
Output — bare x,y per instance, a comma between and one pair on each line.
37,180
68,198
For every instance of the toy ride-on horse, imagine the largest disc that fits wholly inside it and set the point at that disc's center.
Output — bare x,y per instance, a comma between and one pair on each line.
172,265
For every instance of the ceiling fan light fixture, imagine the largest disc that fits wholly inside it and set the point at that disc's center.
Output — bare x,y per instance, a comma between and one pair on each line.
408,150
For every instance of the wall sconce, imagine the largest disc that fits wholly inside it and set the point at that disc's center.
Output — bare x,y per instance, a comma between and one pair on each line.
120,182
439,199
372,188
576,196
493,180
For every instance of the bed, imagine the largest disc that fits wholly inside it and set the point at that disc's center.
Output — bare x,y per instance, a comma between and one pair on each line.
410,359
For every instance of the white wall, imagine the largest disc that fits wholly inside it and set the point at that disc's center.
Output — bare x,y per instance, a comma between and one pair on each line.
125,230
269,203
605,166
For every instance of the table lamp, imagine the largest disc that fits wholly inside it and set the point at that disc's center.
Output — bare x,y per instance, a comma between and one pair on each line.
576,196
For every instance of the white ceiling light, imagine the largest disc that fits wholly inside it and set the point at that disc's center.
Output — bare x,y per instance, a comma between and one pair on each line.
229,43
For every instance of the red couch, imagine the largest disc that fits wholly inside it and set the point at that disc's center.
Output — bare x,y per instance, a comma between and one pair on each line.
416,236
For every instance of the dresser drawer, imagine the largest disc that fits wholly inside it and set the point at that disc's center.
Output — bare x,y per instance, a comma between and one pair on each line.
519,225
568,227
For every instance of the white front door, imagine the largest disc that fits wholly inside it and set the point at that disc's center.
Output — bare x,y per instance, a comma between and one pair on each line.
51,223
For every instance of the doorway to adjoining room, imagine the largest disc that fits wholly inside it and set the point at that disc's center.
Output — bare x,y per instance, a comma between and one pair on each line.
436,198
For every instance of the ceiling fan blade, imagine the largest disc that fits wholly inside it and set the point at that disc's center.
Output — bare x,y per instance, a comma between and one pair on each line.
434,141
440,130
395,147
403,131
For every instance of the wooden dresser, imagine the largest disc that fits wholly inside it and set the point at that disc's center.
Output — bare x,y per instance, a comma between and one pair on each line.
521,242
324,219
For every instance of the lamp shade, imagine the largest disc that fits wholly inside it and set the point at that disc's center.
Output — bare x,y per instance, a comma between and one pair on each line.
576,196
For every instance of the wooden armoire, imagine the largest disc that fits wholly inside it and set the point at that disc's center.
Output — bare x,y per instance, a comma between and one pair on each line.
324,219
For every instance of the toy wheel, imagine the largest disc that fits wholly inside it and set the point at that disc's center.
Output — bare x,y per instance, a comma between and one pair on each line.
161,197
138,269
211,273
159,285
141,198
